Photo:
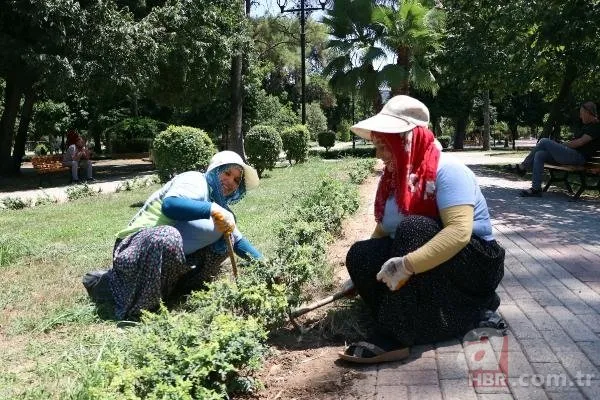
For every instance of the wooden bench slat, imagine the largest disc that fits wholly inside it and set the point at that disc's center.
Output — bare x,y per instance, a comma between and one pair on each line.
591,167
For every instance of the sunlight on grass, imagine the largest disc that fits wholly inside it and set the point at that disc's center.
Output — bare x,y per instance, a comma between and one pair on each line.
51,246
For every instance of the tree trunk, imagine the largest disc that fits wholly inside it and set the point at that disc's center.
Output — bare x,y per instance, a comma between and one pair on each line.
459,135
21,138
235,137
486,120
403,60
551,124
12,99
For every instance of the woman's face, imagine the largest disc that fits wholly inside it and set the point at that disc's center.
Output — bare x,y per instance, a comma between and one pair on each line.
230,180
383,152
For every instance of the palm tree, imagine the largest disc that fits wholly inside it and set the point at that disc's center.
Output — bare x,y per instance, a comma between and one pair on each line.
354,50
413,33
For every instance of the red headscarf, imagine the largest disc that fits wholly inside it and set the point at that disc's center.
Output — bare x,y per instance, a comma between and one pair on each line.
412,182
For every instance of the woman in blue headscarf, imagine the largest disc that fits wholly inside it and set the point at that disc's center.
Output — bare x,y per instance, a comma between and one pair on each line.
176,240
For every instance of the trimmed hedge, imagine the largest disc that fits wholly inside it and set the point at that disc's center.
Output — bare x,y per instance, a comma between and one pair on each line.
263,145
295,143
179,149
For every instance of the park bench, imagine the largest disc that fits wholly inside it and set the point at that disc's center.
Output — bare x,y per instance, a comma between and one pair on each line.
45,166
561,173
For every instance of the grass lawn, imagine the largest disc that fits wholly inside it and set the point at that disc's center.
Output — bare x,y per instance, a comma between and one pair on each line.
47,319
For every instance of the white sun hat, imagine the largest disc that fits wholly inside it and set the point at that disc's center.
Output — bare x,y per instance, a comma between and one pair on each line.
400,114
231,157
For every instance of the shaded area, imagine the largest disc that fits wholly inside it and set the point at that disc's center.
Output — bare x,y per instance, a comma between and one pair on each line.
104,170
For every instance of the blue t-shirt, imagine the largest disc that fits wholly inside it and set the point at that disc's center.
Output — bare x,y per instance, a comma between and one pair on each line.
455,185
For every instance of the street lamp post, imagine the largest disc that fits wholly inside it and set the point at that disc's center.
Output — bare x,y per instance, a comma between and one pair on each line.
302,9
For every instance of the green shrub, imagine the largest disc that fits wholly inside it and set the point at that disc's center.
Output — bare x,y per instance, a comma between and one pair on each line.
344,134
326,139
444,141
359,152
40,149
81,191
263,145
295,143
133,135
179,149
16,203
316,121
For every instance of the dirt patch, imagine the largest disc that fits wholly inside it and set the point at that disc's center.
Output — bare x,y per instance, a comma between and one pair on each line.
306,366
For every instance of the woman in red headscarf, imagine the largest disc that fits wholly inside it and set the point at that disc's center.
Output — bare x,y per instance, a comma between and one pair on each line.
431,268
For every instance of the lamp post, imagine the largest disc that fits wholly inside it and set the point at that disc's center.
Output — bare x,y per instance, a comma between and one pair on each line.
302,10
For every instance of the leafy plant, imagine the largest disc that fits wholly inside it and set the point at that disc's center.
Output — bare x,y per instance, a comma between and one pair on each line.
81,191
16,203
263,145
133,134
11,250
344,134
181,148
316,121
137,183
444,141
41,149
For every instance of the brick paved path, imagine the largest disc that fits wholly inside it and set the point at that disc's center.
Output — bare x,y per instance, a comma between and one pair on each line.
550,299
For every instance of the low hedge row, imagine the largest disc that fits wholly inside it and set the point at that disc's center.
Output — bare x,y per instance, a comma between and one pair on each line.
213,349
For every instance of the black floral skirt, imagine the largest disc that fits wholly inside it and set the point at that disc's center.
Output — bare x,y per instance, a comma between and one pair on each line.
442,303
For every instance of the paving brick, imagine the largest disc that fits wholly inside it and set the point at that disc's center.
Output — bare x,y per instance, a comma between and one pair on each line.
555,377
418,364
519,323
558,340
592,321
494,396
537,350
565,396
448,346
422,351
516,365
570,300
429,392
592,351
506,343
592,391
576,363
505,297
545,298
392,393
576,329
521,392
457,389
393,377
452,366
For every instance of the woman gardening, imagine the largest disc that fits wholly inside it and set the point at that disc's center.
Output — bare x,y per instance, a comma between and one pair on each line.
431,268
176,240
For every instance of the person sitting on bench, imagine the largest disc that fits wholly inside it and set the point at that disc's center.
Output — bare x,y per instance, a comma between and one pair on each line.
573,152
78,155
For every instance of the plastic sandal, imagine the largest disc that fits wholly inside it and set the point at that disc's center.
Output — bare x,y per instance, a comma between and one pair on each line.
368,353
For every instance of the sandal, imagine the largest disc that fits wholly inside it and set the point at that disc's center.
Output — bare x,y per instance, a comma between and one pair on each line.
368,353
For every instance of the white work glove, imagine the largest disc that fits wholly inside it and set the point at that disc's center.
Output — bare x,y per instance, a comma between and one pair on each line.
348,288
223,219
394,273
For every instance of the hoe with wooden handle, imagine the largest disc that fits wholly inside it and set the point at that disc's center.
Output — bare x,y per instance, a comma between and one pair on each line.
320,303
227,236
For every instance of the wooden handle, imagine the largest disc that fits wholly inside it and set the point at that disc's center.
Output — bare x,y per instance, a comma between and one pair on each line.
227,236
231,254
320,303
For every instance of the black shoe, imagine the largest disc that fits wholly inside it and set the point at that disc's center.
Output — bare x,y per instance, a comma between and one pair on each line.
90,179
531,192
97,286
520,171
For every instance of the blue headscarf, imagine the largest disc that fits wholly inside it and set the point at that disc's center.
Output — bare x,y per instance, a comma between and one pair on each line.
216,189
216,194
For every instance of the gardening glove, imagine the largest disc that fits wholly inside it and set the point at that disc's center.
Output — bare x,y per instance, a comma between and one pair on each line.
394,273
348,288
223,219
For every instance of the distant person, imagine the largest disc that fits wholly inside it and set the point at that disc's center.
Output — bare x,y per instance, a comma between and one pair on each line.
72,137
78,155
573,152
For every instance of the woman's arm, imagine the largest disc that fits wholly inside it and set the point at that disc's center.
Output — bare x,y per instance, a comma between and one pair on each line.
454,236
182,209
